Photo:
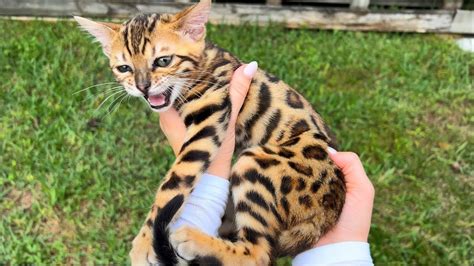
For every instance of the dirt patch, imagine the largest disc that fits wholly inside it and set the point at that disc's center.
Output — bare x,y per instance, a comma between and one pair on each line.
52,226
55,227
26,200
22,198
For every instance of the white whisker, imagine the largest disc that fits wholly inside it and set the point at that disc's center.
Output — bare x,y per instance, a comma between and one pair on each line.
94,86
115,106
103,93
106,99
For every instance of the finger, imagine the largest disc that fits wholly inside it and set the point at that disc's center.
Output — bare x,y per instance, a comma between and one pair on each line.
347,161
240,85
173,127
171,122
351,166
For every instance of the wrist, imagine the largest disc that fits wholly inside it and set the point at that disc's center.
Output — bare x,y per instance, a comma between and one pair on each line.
329,239
220,168
354,253
222,163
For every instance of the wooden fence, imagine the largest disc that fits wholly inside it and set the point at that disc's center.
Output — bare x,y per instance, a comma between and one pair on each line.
442,16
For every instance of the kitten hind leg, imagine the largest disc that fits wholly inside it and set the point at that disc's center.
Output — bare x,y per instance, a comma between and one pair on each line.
194,245
256,218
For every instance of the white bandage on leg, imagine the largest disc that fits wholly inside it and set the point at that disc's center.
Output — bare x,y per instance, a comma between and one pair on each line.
205,206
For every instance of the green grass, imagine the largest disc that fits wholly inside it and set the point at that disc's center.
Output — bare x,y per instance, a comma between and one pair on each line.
75,185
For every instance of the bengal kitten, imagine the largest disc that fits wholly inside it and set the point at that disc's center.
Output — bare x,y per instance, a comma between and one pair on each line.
286,192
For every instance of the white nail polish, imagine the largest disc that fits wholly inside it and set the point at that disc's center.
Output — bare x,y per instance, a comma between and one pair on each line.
331,150
250,69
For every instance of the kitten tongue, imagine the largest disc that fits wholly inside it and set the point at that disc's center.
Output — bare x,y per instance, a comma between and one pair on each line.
157,100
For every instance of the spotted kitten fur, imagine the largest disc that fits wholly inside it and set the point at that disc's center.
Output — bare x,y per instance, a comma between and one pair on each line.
285,191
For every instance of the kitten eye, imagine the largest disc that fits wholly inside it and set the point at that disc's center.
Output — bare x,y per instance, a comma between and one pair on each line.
124,69
163,61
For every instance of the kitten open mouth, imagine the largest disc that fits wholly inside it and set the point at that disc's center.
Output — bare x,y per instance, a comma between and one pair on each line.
159,101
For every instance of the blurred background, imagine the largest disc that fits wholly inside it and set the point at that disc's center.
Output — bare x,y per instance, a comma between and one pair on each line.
79,165
453,16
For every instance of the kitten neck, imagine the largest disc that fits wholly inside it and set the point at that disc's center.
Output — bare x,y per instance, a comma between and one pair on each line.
214,70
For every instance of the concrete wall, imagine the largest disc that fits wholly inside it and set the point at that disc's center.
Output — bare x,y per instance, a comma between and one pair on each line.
447,21
117,8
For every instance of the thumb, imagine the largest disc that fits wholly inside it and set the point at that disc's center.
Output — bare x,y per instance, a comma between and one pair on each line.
349,162
173,127
353,170
239,86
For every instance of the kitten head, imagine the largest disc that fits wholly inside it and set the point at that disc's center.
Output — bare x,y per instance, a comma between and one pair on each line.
151,55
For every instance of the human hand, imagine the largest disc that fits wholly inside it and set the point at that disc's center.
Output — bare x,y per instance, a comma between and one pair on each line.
175,131
354,223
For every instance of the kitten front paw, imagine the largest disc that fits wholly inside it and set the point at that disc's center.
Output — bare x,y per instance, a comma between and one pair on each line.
189,243
142,253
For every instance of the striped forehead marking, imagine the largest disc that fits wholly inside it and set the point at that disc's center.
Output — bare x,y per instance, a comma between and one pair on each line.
137,30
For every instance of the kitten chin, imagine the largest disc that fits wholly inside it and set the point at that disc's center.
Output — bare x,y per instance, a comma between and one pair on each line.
162,102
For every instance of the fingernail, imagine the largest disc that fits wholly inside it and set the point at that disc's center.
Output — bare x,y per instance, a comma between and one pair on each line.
331,150
250,69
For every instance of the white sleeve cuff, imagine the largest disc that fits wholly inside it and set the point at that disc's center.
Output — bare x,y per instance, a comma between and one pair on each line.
205,206
344,253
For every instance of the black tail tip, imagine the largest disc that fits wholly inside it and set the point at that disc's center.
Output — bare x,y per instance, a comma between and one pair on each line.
161,243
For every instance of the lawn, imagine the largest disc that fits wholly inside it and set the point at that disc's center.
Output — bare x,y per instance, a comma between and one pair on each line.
76,182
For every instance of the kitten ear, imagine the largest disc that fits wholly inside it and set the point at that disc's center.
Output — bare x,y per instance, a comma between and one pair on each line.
102,31
191,22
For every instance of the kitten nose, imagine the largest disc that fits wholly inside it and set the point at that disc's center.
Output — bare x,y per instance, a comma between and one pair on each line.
143,81
144,86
